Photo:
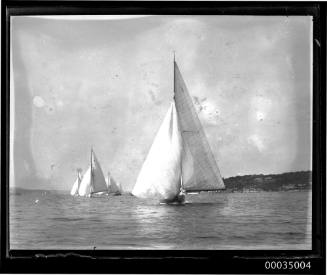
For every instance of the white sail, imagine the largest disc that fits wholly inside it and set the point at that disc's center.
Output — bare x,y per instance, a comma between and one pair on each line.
206,174
160,176
188,167
76,185
98,180
85,186
180,158
108,181
93,180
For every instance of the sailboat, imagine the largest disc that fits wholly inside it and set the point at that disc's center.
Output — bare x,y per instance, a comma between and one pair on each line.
114,188
74,190
93,181
180,160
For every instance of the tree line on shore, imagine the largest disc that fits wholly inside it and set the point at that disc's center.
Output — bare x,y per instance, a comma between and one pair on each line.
301,180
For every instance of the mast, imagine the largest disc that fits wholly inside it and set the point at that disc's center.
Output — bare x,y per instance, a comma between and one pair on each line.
79,179
181,179
109,182
174,74
91,171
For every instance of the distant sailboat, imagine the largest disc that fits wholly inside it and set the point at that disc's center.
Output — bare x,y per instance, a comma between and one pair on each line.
74,191
113,187
180,160
93,181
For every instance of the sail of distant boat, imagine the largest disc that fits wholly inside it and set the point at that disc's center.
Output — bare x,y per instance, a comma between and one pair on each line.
76,185
93,180
113,186
180,159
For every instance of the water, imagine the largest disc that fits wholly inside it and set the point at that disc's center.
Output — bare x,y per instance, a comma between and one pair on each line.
263,220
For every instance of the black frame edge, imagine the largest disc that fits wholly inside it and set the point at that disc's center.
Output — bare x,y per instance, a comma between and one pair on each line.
48,261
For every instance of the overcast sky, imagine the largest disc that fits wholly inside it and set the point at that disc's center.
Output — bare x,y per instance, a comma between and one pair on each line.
108,83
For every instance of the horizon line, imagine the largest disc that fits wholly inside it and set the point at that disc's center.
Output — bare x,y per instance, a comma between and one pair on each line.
132,188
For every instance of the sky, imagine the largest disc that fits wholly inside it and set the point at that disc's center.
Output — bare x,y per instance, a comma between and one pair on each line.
107,82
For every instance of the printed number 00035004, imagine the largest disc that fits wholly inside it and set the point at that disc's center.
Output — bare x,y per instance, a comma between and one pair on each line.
287,265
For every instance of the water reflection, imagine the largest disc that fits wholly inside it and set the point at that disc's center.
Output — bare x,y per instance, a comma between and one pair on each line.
180,226
267,220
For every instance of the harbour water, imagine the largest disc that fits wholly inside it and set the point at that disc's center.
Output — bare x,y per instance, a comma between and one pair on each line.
222,221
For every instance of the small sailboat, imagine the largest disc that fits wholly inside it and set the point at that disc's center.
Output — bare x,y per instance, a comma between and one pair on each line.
114,188
93,181
74,190
180,160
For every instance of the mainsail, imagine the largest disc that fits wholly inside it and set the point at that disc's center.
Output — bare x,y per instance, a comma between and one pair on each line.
76,185
199,163
93,180
180,156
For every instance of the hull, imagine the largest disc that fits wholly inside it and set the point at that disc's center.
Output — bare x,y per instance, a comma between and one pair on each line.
179,199
198,198
99,195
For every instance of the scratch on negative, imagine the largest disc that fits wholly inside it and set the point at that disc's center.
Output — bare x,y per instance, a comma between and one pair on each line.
63,255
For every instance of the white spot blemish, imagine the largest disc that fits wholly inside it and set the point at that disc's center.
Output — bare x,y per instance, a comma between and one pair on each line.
260,116
38,102
210,111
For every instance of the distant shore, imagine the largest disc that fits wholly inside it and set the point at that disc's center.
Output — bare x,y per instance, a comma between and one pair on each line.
301,180
295,181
